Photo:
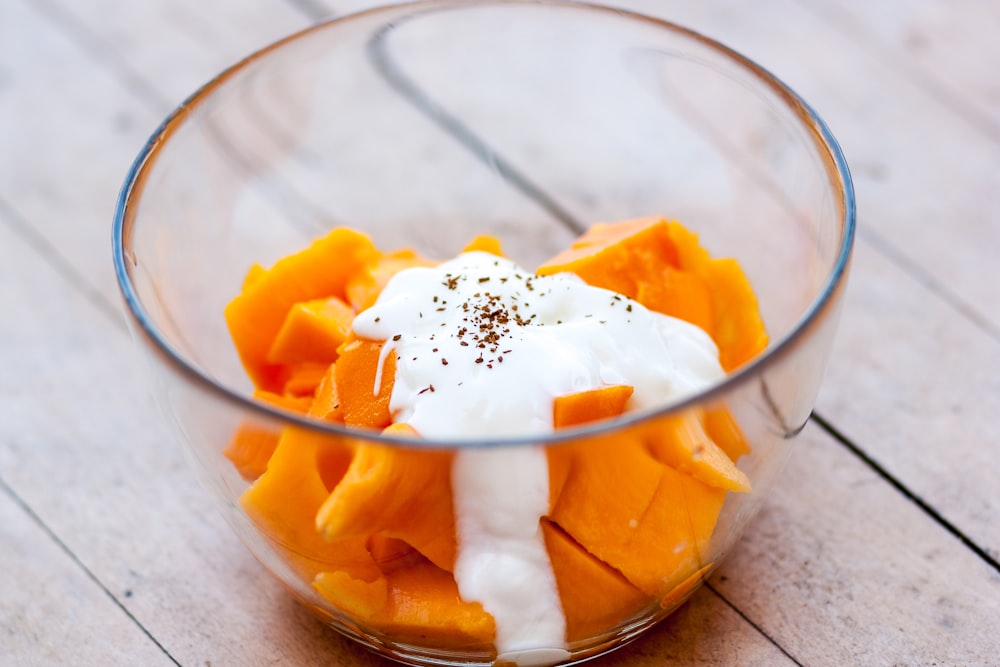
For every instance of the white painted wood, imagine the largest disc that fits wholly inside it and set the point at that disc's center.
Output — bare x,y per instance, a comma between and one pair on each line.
916,386
51,613
945,45
839,569
167,50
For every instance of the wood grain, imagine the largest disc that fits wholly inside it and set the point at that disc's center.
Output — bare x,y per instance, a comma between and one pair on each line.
111,550
51,612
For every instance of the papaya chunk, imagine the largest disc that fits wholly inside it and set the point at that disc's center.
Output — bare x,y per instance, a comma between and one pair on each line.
595,598
422,605
363,387
726,433
321,270
681,591
560,460
425,603
737,327
360,598
250,449
680,294
608,490
311,332
391,554
637,515
284,500
303,379
674,534
682,443
326,400
485,243
252,444
739,331
591,405
691,256
291,403
255,272
364,286
662,265
395,492
618,256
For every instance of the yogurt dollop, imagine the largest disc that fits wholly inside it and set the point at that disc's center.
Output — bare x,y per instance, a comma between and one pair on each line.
482,349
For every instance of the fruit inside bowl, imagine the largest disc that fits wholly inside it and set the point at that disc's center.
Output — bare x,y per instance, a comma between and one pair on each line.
493,546
455,416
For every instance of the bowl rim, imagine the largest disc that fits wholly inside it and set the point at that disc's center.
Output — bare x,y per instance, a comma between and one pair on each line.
824,142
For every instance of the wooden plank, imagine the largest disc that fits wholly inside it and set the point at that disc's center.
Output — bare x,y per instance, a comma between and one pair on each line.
842,570
68,134
169,49
51,612
916,387
143,525
943,45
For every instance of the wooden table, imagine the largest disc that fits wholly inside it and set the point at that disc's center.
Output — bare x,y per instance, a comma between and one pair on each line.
881,542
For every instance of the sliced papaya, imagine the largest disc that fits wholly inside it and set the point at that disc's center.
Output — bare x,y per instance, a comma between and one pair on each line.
326,400
364,383
591,405
672,540
311,332
595,598
682,442
680,294
284,500
250,449
726,433
364,286
395,492
303,379
422,605
485,243
637,515
618,256
356,596
322,270
252,444
609,489
737,327
681,591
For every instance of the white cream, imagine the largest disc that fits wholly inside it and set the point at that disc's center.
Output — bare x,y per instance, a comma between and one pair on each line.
482,349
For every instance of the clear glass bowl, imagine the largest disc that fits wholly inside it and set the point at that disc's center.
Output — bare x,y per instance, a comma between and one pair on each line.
424,125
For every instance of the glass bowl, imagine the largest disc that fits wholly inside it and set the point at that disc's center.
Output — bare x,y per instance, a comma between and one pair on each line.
426,124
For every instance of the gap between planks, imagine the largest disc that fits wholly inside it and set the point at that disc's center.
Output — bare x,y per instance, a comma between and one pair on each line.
37,520
843,20
926,508
739,612
103,53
